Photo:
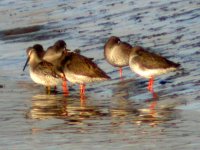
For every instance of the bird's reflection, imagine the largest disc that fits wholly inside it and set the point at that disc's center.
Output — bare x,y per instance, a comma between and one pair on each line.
127,110
55,106
80,114
131,112
73,111
47,106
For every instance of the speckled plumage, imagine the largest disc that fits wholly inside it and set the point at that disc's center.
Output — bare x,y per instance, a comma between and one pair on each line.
41,72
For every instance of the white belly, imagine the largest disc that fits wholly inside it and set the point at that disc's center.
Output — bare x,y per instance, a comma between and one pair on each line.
148,73
80,79
45,80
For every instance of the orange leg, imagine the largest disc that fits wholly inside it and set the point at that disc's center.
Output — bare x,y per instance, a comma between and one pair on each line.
82,100
120,72
64,87
82,89
150,85
155,96
82,93
153,105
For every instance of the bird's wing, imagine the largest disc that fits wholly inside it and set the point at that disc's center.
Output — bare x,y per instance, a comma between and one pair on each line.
81,65
151,60
48,69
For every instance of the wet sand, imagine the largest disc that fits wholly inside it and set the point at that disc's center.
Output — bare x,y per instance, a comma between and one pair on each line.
116,114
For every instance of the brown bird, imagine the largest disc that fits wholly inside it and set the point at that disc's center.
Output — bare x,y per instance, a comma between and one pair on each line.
54,55
117,52
149,65
41,72
82,70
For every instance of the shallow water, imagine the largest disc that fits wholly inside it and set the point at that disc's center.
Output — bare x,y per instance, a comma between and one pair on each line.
116,114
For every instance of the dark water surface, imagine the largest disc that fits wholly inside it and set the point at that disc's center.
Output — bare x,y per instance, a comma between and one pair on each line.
117,114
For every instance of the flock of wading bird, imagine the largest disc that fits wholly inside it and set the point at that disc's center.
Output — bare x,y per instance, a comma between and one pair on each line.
58,64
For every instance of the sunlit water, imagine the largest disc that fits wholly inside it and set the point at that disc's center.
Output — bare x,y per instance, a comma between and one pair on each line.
116,114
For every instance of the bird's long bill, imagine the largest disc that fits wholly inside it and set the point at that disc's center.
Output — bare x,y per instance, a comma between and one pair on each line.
26,63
